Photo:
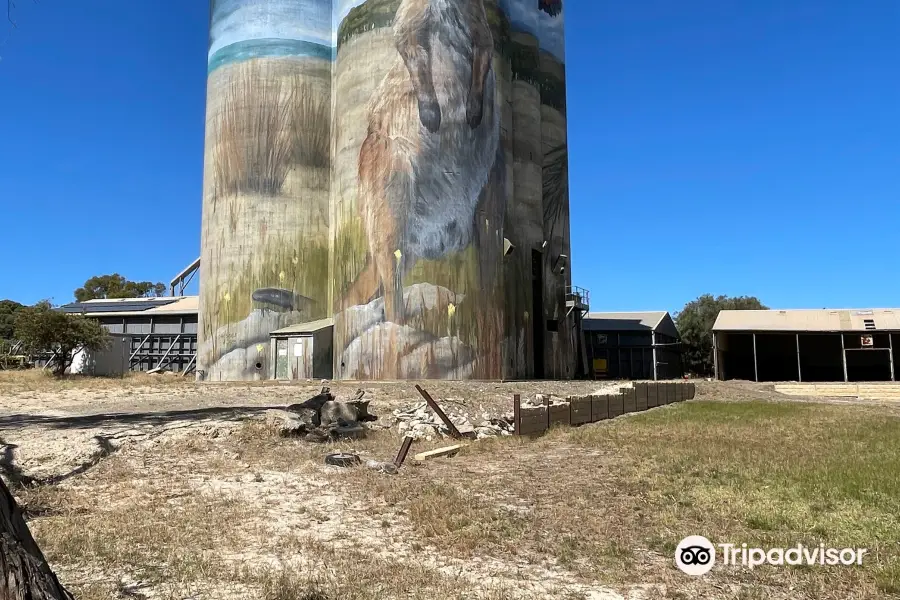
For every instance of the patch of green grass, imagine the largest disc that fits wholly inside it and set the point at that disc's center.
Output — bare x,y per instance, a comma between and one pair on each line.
771,474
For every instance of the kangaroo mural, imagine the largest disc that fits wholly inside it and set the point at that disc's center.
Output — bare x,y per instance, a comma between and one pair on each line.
431,146
355,169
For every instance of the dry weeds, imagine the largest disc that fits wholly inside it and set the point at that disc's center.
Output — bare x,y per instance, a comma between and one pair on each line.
267,126
250,515
43,381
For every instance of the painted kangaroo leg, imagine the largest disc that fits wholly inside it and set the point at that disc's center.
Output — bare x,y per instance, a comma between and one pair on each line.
482,54
412,37
376,170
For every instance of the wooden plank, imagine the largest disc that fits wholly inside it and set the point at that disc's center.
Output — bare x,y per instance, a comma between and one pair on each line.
652,395
670,393
560,415
533,426
640,390
599,408
533,412
580,410
679,392
616,405
692,391
630,400
437,453
533,420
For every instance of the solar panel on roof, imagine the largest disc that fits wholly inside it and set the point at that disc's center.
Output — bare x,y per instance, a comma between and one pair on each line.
102,307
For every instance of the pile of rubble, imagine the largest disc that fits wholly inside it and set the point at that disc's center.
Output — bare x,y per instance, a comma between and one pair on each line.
323,418
421,423
541,400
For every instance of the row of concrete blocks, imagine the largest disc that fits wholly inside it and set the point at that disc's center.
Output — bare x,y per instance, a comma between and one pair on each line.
579,410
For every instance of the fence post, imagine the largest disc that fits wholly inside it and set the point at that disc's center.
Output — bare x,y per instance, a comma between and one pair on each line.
547,406
517,414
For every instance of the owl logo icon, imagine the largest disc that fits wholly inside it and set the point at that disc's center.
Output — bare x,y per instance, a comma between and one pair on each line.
695,555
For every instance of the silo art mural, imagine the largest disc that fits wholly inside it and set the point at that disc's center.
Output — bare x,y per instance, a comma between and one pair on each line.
374,161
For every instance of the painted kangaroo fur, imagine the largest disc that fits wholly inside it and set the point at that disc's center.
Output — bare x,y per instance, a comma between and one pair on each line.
432,142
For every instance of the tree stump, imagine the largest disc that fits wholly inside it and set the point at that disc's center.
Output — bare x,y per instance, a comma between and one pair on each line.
24,572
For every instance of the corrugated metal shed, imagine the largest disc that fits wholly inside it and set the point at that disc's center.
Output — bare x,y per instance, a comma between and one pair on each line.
659,321
623,321
814,320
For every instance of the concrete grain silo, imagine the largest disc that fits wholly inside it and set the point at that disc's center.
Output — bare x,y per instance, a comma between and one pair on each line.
264,244
398,201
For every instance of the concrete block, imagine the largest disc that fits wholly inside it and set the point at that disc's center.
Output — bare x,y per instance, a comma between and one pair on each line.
599,408
616,405
640,390
580,410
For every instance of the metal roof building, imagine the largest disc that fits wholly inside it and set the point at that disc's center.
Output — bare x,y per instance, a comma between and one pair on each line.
807,345
160,332
633,345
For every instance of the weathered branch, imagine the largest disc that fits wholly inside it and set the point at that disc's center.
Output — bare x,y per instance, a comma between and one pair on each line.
24,572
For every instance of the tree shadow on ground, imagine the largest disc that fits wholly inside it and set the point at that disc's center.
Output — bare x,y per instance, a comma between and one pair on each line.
146,420
17,478
230,413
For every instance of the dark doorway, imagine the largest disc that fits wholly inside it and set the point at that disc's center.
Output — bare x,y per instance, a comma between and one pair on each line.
895,348
736,352
537,317
776,357
820,357
869,365
868,356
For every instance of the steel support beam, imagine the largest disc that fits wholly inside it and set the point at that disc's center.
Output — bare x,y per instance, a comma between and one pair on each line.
716,355
140,347
844,358
189,365
755,365
653,339
159,365
799,373
891,352
184,278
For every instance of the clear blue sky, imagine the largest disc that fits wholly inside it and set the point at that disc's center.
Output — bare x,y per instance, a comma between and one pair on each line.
715,146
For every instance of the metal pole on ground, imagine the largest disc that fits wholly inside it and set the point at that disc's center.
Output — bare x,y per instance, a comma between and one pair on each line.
799,374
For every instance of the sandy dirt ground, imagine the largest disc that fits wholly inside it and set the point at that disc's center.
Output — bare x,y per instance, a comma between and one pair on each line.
51,429
248,514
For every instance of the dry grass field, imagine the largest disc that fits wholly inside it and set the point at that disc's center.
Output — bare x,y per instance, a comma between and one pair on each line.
189,495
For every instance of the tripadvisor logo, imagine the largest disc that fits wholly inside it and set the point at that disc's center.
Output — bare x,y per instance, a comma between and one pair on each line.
696,555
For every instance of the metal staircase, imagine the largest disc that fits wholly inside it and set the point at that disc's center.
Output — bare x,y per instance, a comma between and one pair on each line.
578,303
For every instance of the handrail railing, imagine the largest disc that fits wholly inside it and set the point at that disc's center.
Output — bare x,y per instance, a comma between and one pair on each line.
579,294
